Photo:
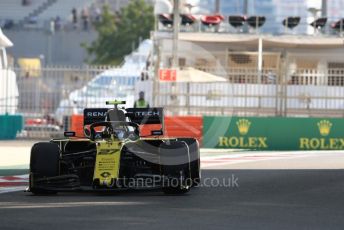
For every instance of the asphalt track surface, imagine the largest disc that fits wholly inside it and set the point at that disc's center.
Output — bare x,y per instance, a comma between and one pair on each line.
269,198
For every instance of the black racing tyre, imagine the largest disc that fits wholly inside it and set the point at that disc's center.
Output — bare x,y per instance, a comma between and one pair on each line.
195,162
177,190
175,165
44,162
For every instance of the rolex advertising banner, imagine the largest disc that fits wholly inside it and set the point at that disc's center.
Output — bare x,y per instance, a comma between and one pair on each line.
271,133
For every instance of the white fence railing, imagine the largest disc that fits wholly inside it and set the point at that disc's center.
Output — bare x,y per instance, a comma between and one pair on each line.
250,92
44,97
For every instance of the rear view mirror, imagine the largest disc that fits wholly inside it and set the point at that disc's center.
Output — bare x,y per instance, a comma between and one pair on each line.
69,134
157,133
87,132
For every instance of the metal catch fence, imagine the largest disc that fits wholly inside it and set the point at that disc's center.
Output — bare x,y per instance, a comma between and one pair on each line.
45,97
48,96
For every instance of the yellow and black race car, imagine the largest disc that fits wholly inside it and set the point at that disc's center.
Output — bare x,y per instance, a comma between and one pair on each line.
114,155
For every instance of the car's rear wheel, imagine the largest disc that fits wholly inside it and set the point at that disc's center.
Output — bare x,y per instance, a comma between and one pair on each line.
44,163
178,188
195,163
175,166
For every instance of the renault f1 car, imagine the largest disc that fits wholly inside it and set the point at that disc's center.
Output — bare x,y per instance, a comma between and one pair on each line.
114,155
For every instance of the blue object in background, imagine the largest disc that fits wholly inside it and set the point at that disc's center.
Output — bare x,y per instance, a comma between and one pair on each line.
10,125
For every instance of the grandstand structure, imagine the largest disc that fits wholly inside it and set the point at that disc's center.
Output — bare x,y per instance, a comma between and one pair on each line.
267,74
45,10
14,10
62,8
40,9
224,38
45,28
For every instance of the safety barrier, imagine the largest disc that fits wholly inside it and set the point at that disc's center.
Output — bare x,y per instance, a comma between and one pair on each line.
273,133
77,125
60,92
256,133
177,126
184,126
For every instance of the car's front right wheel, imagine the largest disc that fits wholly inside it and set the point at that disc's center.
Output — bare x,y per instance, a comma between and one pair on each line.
44,163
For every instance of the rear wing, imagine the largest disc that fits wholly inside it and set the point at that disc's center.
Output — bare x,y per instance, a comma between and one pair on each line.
94,115
145,116
140,116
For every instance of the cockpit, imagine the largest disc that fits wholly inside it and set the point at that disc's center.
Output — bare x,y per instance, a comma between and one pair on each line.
120,130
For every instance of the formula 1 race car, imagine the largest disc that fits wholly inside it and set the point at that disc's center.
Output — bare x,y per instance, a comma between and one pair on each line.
114,155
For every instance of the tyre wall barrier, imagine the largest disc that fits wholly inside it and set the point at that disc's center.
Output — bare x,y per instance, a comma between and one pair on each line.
273,133
10,125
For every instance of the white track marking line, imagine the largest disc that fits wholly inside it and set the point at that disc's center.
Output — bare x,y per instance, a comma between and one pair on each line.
12,189
253,157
